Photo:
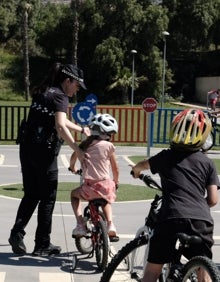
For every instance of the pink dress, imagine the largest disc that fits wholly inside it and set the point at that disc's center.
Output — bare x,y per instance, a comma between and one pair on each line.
97,172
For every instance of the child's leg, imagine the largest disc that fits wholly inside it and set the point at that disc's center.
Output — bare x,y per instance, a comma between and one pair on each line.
76,205
107,209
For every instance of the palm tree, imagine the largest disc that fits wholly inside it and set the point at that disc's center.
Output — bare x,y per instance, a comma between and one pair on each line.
75,7
123,82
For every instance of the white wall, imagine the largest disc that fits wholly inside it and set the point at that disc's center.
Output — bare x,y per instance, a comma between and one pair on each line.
205,84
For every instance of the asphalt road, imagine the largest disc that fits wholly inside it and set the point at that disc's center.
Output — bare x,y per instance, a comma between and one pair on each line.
127,217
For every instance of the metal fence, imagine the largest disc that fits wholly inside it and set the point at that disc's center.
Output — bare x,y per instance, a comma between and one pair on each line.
132,122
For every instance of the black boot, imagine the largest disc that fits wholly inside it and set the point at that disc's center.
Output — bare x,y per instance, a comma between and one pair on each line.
46,250
17,243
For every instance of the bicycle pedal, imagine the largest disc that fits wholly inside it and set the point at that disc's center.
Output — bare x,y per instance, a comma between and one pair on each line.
113,238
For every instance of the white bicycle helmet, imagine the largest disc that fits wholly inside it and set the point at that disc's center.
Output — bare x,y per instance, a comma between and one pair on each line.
103,124
190,129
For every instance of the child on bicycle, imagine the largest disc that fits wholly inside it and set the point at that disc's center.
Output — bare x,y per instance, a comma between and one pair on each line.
213,97
97,182
189,183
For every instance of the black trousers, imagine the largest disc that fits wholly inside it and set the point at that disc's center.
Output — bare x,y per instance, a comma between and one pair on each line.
162,243
40,181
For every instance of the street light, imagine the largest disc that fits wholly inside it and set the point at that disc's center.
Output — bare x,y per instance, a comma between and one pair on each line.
133,52
165,34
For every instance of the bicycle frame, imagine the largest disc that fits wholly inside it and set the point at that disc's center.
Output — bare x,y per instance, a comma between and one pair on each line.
212,138
183,240
129,262
97,234
146,231
97,237
95,217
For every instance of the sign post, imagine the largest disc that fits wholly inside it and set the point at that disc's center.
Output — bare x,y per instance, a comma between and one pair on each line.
149,105
84,111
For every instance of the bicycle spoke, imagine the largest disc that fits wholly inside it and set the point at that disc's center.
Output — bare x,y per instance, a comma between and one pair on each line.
128,264
201,269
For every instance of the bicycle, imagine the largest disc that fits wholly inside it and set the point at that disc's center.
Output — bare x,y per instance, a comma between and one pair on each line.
97,240
212,138
129,263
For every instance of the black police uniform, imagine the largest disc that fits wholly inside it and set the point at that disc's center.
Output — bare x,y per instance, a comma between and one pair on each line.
39,148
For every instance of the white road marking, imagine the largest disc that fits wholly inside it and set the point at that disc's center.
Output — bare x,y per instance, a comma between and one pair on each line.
55,277
2,276
2,158
128,160
65,161
8,165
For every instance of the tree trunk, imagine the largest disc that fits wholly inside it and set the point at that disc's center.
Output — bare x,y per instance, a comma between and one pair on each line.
26,54
75,5
125,99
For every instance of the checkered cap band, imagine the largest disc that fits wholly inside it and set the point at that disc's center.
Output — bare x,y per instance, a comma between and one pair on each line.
73,75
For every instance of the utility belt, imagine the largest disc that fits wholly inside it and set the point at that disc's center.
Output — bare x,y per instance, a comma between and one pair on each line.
43,136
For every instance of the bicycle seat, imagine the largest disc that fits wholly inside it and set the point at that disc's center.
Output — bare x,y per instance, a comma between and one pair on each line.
186,239
98,202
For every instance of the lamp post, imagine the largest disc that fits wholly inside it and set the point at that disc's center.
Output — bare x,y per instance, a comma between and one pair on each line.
165,33
133,52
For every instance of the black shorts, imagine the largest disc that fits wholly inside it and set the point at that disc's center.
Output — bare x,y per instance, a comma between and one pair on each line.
162,243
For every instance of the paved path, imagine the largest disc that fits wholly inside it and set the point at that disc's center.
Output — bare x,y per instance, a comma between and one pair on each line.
127,216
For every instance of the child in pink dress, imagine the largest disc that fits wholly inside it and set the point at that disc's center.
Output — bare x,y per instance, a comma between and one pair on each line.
97,182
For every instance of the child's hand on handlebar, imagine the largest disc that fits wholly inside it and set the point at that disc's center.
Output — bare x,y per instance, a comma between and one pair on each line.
73,169
134,173
139,167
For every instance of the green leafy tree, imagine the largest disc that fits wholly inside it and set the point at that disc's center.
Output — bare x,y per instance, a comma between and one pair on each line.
112,30
8,20
190,22
214,37
106,33
52,29
192,27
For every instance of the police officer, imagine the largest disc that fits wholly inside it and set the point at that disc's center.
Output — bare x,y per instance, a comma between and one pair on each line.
40,140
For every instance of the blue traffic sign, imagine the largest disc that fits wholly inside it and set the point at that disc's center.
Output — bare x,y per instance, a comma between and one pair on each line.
92,98
83,112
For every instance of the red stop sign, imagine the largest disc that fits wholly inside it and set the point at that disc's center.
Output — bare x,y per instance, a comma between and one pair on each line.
149,105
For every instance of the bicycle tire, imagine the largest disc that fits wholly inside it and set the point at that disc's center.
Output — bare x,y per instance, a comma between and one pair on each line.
102,245
119,268
84,244
199,263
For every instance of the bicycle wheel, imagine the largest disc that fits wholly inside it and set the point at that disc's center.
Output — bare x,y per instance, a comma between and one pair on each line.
101,246
84,244
198,267
119,269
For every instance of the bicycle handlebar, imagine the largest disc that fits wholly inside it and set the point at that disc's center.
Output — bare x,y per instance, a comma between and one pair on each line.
149,181
79,171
